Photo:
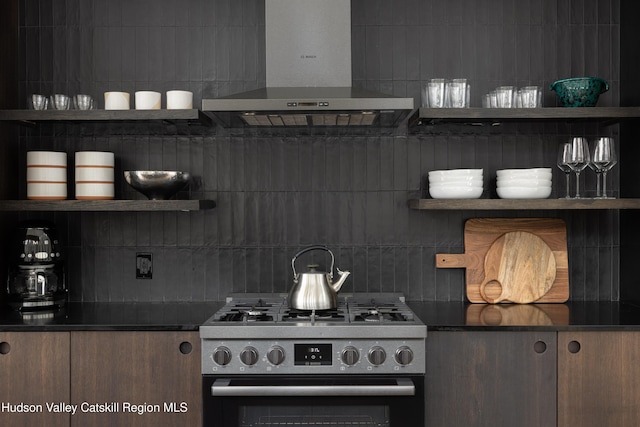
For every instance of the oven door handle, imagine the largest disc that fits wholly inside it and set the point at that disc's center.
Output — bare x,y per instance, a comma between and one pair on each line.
402,387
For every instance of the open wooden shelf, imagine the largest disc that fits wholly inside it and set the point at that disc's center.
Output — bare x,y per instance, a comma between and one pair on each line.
106,205
523,204
192,116
491,116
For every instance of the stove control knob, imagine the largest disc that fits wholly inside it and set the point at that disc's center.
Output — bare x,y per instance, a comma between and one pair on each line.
350,355
249,356
404,355
221,355
275,355
377,355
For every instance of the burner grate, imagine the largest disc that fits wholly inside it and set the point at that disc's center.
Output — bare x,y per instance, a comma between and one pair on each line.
268,309
243,316
379,316
258,304
295,315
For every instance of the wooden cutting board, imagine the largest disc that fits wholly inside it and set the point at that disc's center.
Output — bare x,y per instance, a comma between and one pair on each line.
519,267
485,240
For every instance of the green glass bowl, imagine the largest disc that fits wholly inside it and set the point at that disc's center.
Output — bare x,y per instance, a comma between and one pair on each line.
579,91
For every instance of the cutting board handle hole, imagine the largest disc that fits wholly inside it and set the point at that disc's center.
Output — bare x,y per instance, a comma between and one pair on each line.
491,291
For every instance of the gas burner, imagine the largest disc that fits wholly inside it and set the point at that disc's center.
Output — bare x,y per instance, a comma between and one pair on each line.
244,317
376,315
251,315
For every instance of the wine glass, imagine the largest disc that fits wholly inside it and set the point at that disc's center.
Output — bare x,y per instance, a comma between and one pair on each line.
603,159
597,172
579,159
564,155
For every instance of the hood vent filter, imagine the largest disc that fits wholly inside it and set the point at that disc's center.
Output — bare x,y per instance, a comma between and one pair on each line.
311,119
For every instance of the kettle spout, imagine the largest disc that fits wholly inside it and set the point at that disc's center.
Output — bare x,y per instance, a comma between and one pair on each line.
338,284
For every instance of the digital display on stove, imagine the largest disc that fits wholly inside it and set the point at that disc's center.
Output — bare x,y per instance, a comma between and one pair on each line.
312,354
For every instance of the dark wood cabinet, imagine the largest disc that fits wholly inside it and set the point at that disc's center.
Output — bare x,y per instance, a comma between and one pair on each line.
34,371
568,379
157,371
598,379
115,378
491,379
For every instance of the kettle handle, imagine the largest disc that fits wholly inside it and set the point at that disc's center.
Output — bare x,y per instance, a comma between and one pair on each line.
305,250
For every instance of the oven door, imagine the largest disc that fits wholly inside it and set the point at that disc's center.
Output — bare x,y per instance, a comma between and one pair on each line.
310,401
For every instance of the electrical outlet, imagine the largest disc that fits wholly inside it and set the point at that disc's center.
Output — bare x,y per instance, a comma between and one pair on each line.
144,265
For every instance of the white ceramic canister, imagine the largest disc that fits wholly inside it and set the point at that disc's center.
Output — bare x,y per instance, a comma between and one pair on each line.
148,100
116,101
46,175
179,100
95,175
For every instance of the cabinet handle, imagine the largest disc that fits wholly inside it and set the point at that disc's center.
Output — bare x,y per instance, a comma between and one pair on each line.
540,347
185,347
5,348
573,347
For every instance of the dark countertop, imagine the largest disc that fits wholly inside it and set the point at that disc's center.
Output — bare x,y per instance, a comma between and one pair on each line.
141,316
449,316
443,316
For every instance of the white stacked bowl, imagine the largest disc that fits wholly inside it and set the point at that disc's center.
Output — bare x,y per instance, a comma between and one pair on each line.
533,183
95,175
46,175
455,184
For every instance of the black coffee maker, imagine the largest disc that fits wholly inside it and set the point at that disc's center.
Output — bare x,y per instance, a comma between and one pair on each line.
36,278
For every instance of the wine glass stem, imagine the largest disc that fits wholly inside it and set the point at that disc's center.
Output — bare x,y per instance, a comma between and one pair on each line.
598,187
568,179
604,184
577,185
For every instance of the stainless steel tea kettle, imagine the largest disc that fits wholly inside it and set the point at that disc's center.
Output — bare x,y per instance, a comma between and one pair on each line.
314,290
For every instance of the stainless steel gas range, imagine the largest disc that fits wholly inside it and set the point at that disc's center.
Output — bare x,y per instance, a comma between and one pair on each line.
266,364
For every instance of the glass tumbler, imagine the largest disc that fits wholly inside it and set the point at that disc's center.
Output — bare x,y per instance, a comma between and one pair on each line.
436,93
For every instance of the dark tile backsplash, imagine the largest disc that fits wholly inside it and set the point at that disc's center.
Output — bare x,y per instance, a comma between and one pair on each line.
276,193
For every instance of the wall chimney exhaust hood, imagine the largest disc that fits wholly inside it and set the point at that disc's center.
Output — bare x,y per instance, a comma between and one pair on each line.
308,75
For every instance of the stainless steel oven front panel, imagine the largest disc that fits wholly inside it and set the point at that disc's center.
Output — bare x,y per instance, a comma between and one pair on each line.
348,357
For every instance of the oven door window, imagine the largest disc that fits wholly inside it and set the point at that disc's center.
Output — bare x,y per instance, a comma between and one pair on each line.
314,416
